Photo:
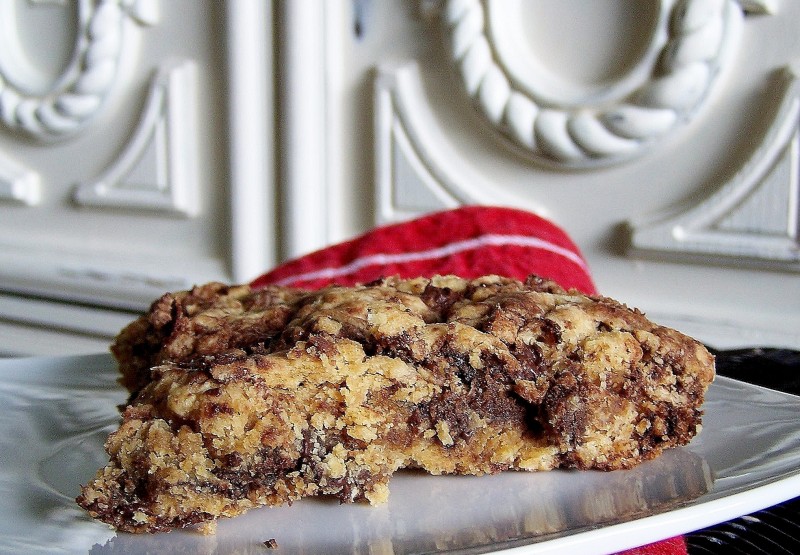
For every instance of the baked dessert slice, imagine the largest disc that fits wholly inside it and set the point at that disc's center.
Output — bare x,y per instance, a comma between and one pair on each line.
243,398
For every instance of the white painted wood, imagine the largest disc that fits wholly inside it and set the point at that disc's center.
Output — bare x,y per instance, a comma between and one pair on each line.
113,239
302,109
372,111
725,307
684,56
406,185
18,184
157,170
754,216
413,153
32,326
81,91
20,341
253,229
91,321
729,299
113,242
120,283
728,332
760,6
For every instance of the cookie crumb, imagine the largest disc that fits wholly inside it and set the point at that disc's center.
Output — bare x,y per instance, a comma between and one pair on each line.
271,543
208,528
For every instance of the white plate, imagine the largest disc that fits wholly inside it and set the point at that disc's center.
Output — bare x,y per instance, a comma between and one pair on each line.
56,412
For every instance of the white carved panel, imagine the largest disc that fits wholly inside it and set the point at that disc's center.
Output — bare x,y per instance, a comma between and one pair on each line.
71,101
408,180
85,185
136,157
305,120
416,168
157,169
564,127
479,114
754,216
18,184
251,138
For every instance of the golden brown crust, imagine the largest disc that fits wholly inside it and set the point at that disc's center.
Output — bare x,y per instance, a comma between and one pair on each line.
264,397
208,319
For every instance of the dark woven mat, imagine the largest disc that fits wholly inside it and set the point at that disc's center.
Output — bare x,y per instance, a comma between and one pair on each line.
777,529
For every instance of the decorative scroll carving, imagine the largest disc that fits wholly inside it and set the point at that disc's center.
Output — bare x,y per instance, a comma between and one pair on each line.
413,160
756,215
80,91
156,171
18,184
686,52
402,172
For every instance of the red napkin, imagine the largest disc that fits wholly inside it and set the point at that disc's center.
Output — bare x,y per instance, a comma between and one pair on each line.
470,241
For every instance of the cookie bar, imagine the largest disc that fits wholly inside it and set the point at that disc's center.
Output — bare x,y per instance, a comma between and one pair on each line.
243,398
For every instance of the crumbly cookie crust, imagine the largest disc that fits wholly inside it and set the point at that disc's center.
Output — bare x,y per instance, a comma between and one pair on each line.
242,398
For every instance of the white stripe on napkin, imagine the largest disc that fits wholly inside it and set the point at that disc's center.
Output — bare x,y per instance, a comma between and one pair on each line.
493,240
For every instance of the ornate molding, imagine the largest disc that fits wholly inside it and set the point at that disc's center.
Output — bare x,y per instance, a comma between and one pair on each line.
156,170
756,215
305,120
691,43
18,184
251,132
416,168
81,90
405,176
